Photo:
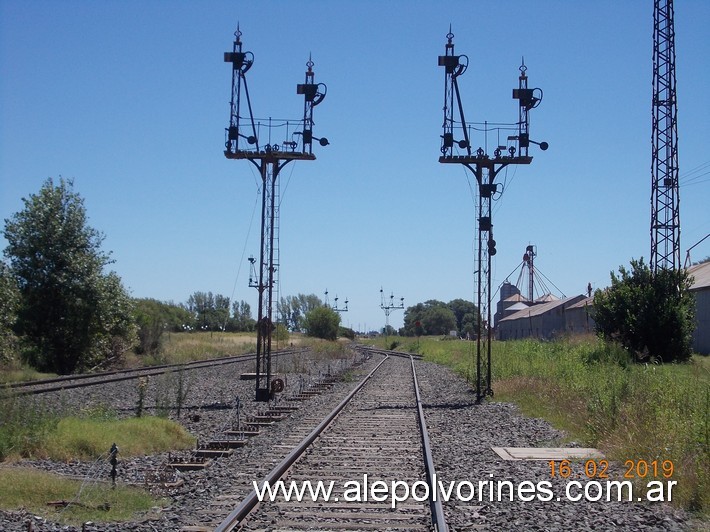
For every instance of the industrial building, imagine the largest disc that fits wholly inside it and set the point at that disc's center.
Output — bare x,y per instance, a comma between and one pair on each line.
701,290
517,317
538,320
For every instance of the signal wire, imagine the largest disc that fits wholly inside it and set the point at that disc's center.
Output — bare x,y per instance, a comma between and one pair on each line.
241,260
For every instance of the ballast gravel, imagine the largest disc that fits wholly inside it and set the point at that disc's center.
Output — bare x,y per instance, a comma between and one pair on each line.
461,431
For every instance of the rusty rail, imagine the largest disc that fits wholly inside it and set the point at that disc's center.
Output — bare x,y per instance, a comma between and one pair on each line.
239,514
85,379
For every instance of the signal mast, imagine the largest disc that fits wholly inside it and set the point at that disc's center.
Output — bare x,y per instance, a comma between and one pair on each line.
244,141
335,307
388,308
456,149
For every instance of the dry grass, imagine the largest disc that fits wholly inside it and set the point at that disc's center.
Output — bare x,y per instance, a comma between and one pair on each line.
179,348
15,372
596,394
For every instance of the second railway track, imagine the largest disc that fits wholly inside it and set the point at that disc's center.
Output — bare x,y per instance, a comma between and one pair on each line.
376,437
95,379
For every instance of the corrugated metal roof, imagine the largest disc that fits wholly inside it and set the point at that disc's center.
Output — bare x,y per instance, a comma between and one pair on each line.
536,310
517,306
587,301
547,297
701,275
516,297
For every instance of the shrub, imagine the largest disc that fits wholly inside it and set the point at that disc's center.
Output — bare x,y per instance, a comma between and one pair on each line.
651,315
322,322
346,332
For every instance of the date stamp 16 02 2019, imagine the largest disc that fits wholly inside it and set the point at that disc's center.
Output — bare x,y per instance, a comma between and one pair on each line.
599,469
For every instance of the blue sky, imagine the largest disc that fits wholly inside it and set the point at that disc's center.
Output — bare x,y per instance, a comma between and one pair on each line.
130,99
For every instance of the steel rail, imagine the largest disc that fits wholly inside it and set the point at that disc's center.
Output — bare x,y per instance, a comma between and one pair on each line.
388,352
235,518
247,505
437,508
65,383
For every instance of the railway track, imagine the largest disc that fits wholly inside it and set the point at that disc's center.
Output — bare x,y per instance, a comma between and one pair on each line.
374,440
96,379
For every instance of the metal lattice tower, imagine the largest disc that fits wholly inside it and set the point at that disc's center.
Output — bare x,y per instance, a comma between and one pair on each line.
243,142
665,201
485,168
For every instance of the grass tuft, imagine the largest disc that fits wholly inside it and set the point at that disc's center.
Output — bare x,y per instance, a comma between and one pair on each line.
30,429
32,490
25,424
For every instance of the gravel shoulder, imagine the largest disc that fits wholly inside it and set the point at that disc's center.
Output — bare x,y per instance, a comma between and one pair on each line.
462,435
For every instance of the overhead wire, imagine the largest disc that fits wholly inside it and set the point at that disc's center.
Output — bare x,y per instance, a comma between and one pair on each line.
288,180
278,280
692,176
506,278
548,280
244,248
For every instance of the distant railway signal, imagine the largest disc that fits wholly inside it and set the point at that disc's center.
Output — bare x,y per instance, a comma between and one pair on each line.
335,307
389,307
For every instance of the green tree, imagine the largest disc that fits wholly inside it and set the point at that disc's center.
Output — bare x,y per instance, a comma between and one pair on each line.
322,322
281,333
653,316
346,332
468,327
414,315
388,330
434,317
71,315
439,320
9,300
466,316
153,318
293,309
210,311
242,320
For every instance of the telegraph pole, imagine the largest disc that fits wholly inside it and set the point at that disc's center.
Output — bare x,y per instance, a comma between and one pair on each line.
456,149
243,141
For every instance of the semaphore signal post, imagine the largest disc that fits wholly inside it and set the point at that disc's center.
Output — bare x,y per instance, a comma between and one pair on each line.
456,149
251,139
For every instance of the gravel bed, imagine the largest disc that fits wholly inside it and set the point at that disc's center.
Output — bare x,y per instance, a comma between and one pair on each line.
462,434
